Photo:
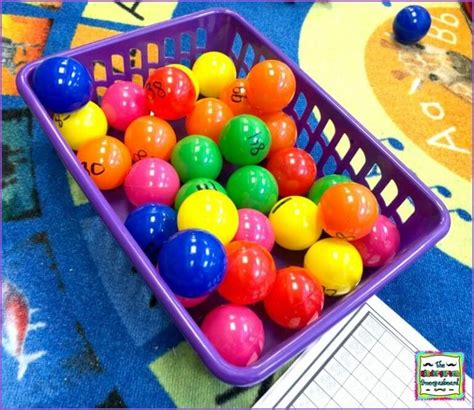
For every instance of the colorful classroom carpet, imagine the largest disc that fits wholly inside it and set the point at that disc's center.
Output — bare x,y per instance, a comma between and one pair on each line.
87,331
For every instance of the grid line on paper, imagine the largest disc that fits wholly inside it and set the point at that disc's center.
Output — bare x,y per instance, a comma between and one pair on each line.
324,364
367,329
355,340
314,361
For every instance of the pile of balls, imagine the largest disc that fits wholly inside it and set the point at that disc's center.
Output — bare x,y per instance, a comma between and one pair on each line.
202,236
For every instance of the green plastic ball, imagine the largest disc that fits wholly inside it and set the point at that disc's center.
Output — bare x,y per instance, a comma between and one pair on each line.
196,184
322,184
253,187
245,140
196,156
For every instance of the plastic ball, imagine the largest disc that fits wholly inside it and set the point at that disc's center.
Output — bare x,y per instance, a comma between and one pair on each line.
83,125
295,300
151,180
322,185
150,137
271,86
191,302
62,84
196,184
348,211
151,225
253,187
192,263
245,140
255,227
106,160
294,170
123,102
197,156
335,264
170,93
208,117
250,273
380,245
295,223
282,129
236,333
190,74
214,71
235,96
411,24
210,211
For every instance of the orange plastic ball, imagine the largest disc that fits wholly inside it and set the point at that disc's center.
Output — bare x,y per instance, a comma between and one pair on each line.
271,86
235,96
208,118
150,137
283,130
106,160
348,211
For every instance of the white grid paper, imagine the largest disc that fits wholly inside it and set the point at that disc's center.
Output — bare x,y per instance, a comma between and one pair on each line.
367,360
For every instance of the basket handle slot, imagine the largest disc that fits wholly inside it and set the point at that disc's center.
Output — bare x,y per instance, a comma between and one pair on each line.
303,139
135,55
99,71
185,43
405,210
237,45
389,193
117,66
357,161
201,37
170,47
152,53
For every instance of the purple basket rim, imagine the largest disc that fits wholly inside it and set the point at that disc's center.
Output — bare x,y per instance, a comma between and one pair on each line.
269,363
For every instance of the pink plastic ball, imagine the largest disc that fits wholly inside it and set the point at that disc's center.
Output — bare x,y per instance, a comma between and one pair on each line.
151,180
380,245
255,227
123,102
191,302
236,333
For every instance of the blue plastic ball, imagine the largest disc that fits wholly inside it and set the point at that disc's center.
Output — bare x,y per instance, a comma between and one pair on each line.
411,24
192,263
151,225
62,84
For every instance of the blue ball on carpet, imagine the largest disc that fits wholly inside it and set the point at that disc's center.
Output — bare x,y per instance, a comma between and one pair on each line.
411,24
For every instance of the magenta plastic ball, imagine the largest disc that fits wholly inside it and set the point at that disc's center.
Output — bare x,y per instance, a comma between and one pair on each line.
123,102
191,302
236,333
151,180
380,245
255,227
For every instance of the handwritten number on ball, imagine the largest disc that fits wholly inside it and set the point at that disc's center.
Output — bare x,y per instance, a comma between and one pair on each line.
140,154
95,169
155,89
238,94
256,144
59,119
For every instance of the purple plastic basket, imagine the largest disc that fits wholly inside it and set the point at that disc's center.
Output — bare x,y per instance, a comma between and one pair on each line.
183,40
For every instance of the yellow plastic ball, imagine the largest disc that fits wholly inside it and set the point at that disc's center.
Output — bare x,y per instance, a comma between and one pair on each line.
295,223
83,125
211,211
190,74
214,71
335,264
